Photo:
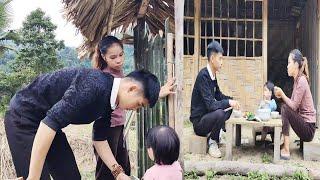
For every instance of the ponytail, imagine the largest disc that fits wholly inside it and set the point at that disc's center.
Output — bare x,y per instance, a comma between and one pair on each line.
97,60
305,69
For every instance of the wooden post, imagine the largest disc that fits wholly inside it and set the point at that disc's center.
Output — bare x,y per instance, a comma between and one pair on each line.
179,11
229,128
238,134
265,39
197,50
276,154
169,55
318,69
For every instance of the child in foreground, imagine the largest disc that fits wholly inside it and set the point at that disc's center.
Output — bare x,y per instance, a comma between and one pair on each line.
163,148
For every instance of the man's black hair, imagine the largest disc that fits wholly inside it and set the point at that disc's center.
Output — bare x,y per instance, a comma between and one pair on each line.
150,84
214,47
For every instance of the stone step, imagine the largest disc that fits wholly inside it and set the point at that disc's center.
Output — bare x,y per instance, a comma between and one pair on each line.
311,150
198,144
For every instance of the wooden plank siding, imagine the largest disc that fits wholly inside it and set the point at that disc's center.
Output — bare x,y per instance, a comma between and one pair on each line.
309,33
242,76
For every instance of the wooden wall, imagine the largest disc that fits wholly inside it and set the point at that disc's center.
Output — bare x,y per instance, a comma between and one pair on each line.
309,43
240,77
281,40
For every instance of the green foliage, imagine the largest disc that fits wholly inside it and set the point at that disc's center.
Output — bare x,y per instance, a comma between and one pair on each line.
258,176
301,176
211,174
39,46
69,58
129,60
4,14
266,158
37,54
4,23
191,175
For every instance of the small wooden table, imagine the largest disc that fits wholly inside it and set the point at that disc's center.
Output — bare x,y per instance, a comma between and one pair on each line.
276,123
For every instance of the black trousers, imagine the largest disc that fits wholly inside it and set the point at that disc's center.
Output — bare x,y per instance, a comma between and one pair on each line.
119,150
211,122
60,161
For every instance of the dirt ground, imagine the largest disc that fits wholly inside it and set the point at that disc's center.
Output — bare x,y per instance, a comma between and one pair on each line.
79,137
248,152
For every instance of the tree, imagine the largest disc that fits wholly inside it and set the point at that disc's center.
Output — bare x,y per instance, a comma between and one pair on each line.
4,22
39,47
69,58
37,53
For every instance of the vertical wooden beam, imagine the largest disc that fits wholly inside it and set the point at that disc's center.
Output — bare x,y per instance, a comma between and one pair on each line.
238,134
318,68
276,151
265,39
169,55
253,27
179,12
237,35
229,128
197,39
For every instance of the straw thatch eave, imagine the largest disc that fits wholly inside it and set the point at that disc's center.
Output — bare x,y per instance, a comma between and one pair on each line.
97,18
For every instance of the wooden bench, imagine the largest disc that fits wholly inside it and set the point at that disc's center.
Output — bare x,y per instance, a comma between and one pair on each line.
238,122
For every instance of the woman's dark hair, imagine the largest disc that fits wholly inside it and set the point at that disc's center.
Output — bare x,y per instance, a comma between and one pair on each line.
270,86
105,43
150,84
165,144
214,47
302,61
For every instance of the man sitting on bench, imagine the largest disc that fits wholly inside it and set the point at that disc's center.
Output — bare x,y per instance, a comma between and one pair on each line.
209,107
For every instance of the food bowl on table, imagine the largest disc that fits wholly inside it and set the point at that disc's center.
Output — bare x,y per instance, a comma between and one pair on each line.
264,114
275,114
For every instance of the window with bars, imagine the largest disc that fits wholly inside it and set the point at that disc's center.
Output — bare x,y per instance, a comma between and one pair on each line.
188,28
236,24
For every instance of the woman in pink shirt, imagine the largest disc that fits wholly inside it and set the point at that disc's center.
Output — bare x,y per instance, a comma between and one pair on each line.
297,111
163,147
109,57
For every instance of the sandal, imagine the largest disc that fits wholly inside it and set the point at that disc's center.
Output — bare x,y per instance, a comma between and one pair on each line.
284,156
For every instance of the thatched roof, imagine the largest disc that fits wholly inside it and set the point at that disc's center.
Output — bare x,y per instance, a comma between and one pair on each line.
97,18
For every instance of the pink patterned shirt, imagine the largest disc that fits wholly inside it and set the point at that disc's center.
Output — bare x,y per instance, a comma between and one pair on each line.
301,100
164,172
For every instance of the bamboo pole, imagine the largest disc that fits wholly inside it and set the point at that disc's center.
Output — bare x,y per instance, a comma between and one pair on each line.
179,8
265,39
318,69
197,36
169,55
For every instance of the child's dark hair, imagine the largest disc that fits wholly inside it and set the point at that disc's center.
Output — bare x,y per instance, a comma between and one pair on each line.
270,86
214,47
105,43
150,84
165,144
